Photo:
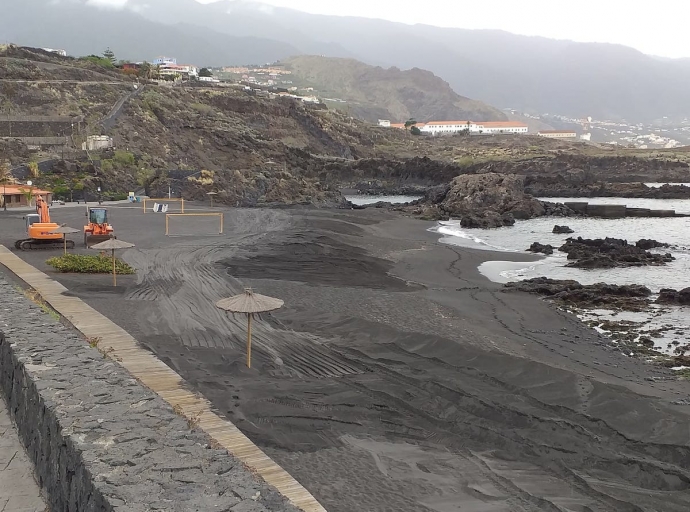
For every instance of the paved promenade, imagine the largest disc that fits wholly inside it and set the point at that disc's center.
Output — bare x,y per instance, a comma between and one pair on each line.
19,491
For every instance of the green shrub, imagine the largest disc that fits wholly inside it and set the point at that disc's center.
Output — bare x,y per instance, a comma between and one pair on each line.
123,158
87,264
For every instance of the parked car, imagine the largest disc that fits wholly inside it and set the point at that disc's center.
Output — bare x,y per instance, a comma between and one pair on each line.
57,201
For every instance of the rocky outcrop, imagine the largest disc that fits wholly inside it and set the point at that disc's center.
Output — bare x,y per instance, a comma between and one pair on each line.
536,247
489,200
558,210
610,253
562,230
252,188
674,297
648,244
601,295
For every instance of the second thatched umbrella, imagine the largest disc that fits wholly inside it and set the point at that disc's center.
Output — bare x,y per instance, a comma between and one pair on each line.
249,303
65,230
112,245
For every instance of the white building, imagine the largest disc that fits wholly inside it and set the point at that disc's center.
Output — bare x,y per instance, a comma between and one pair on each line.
558,134
96,142
448,127
501,127
62,53
474,127
385,123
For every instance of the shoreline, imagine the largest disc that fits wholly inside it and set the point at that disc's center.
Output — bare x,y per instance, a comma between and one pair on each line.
397,376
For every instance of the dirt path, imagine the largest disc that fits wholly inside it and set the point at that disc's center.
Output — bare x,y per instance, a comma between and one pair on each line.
398,378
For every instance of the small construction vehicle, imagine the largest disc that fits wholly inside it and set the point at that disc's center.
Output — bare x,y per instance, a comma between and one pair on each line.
98,230
40,229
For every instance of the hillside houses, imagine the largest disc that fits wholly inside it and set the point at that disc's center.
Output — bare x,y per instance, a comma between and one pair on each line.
472,127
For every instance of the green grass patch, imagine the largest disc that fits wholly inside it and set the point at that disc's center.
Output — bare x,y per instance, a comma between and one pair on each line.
87,264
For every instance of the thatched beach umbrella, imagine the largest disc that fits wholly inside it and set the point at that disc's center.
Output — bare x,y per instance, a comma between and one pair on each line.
210,196
65,230
249,303
112,245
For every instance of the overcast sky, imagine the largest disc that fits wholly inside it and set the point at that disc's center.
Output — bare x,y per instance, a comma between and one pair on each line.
657,28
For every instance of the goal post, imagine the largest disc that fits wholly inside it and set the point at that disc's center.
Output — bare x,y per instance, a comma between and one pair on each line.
193,224
149,201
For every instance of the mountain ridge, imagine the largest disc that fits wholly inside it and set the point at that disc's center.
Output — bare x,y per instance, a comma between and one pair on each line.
532,74
374,92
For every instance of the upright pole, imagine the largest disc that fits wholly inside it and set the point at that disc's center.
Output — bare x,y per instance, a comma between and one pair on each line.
64,241
182,201
249,340
167,224
221,224
114,273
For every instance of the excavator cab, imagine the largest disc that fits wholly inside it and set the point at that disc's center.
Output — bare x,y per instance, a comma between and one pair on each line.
98,230
31,218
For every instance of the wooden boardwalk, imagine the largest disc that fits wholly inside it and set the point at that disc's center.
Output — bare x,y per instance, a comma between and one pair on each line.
157,376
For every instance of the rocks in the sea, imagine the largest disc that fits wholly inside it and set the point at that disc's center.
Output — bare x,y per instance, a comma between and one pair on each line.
558,210
487,220
489,200
601,295
674,297
541,248
562,230
609,253
648,244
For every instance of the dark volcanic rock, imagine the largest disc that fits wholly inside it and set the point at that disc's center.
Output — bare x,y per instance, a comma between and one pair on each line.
601,295
562,230
647,244
489,200
558,210
609,253
544,249
674,297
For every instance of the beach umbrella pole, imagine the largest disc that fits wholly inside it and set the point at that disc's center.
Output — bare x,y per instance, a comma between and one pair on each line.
249,340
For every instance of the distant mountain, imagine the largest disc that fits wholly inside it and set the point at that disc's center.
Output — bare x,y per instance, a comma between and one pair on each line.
375,93
531,74
82,30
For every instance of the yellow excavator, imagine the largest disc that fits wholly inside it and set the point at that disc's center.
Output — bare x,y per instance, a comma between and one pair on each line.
40,229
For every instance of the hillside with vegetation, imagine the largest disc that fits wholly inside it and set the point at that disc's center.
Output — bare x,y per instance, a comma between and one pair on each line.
252,149
374,93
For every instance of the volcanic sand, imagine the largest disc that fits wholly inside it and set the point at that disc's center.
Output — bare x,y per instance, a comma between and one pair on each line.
396,377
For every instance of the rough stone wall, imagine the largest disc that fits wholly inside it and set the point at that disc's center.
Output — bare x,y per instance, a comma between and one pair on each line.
102,442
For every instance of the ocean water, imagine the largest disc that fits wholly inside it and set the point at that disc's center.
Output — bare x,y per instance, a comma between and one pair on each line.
365,199
515,239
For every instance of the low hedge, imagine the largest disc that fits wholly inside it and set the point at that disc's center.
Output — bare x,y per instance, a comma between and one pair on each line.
87,264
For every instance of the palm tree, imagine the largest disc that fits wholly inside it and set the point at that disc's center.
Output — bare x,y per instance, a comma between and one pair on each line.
29,194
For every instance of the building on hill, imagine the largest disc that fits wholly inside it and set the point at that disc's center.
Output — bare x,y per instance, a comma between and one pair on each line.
473,127
448,127
501,127
385,123
15,195
557,134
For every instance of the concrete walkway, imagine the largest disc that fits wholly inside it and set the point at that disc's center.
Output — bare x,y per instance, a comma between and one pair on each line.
19,491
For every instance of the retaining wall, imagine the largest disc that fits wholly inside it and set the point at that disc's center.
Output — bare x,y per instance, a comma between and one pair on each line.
102,442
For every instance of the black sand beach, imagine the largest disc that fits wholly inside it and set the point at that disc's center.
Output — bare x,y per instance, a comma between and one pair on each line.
396,377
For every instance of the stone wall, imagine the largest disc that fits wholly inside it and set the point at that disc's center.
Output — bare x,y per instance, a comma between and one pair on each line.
99,440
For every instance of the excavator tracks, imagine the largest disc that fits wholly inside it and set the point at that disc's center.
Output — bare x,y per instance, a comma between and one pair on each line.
29,244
